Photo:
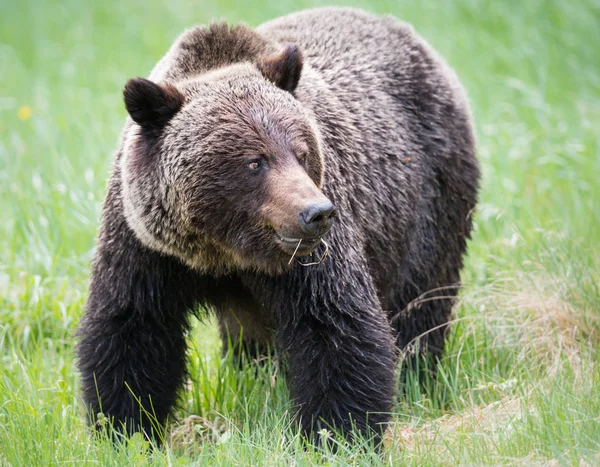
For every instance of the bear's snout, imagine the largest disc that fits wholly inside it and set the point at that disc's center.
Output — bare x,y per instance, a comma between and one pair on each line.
316,219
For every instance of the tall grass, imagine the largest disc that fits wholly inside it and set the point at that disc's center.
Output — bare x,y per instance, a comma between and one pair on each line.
520,382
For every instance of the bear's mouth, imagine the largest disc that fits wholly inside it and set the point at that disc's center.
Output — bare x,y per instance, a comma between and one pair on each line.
297,246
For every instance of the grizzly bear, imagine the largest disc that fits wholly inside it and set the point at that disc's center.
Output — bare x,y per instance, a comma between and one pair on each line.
311,183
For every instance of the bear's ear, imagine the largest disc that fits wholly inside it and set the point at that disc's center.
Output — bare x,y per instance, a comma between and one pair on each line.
283,69
151,105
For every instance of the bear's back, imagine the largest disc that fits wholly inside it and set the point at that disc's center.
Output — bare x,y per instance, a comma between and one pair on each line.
353,49
336,40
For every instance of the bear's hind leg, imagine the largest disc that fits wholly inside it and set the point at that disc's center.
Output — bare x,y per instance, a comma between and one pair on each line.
245,331
421,326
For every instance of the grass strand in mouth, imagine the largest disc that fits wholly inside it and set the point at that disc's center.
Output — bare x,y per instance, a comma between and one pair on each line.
295,251
321,259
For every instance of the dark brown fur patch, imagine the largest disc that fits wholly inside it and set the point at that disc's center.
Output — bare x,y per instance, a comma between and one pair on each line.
151,105
283,69
205,48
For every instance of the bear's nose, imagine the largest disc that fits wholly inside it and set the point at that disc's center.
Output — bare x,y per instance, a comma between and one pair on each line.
316,218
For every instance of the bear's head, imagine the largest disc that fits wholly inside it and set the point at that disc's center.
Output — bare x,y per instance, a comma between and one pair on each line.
225,170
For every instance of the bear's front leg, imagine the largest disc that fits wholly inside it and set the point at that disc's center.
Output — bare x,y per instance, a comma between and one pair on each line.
339,345
132,349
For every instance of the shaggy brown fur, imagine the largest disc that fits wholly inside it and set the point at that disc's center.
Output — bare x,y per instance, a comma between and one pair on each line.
245,143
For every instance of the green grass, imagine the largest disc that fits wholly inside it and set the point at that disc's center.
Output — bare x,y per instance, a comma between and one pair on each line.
520,383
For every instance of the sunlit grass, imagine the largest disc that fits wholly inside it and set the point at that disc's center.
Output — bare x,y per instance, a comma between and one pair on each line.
520,382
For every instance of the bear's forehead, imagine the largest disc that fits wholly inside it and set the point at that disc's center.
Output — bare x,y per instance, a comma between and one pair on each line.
257,133
253,118
232,82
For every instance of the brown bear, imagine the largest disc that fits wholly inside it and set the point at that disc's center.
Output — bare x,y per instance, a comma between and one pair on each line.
311,182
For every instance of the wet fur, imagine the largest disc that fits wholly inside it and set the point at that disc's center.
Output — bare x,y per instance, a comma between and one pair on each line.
392,147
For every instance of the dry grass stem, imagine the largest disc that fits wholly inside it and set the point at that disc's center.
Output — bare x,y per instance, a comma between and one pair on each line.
321,259
295,251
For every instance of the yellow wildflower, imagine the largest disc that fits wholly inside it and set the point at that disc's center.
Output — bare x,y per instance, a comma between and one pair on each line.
24,112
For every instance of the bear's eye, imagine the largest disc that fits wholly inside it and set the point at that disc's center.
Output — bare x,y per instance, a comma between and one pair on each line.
255,164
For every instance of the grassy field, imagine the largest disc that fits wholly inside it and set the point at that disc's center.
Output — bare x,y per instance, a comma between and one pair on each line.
520,383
